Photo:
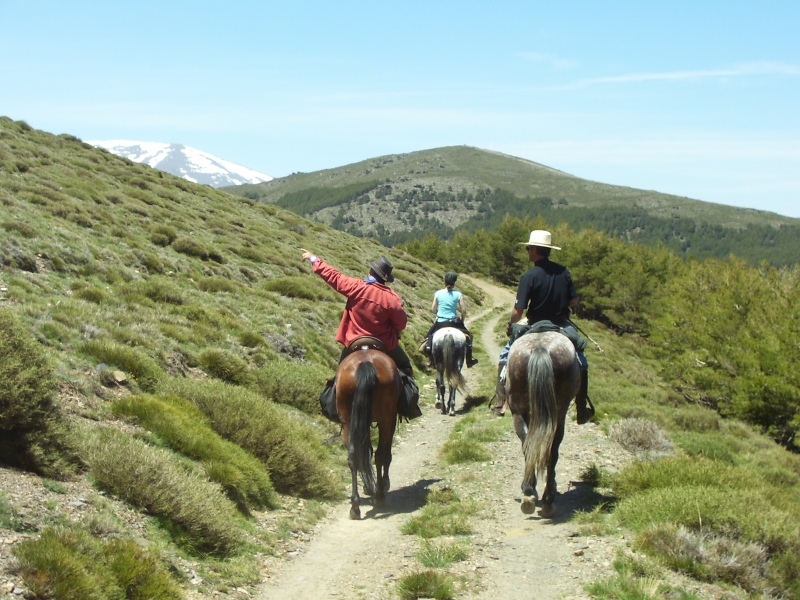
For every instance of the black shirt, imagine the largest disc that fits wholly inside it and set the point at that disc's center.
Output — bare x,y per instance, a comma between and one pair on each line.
546,290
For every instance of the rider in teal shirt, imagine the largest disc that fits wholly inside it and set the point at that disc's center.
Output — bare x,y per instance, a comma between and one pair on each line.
445,304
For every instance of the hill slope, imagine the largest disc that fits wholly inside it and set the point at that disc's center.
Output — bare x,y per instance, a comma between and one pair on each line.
399,197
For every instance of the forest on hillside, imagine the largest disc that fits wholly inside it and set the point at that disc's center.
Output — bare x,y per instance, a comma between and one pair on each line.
725,333
418,213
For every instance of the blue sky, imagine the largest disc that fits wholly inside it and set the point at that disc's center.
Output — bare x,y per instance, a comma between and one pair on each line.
699,99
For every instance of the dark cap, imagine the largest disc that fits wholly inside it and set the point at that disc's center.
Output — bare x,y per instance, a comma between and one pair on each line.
383,269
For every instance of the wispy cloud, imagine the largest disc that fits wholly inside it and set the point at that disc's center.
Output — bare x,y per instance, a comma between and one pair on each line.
743,70
549,59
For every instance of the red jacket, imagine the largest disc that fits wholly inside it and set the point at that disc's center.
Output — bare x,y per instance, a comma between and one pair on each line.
371,309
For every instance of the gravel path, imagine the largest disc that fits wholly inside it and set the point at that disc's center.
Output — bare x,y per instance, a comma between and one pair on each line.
512,556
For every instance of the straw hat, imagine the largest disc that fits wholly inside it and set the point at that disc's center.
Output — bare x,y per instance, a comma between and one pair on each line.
541,238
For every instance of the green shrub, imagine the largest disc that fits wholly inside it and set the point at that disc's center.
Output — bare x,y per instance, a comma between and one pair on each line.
306,287
438,556
251,339
217,284
708,556
21,228
195,510
426,584
292,383
444,513
164,232
91,293
290,448
186,430
68,563
716,446
191,247
32,432
225,365
158,289
144,369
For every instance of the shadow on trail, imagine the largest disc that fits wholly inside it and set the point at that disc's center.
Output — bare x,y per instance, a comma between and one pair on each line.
471,402
404,500
580,497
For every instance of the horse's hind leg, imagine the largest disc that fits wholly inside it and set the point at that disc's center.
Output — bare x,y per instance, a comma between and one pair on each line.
529,495
440,390
452,402
549,495
355,510
383,458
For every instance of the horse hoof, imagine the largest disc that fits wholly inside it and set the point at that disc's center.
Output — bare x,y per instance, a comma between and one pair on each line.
368,492
438,404
452,412
355,513
528,505
547,511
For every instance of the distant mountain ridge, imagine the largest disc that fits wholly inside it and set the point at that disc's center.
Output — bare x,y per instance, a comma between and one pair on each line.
185,162
401,197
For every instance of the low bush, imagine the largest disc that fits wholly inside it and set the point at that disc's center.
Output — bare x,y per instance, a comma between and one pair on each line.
144,369
303,286
225,365
70,564
293,383
444,513
468,438
185,429
290,448
194,510
33,434
91,293
707,556
191,247
438,556
217,284
642,437
426,584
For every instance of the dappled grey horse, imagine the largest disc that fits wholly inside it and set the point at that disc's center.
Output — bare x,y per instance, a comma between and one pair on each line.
448,348
542,377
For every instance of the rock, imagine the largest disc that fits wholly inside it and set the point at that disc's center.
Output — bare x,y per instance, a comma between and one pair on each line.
120,377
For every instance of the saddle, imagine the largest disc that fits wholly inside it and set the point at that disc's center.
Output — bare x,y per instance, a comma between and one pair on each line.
520,329
367,342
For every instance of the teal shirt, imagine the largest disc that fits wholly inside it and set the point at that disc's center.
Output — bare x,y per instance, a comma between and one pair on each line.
447,304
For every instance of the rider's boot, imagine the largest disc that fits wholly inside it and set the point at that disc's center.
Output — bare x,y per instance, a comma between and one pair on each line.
471,362
583,404
500,391
425,348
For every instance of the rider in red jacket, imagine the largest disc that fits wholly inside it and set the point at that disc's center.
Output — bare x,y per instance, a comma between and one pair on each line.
372,309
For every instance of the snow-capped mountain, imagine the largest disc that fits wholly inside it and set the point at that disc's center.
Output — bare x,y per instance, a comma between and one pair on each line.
183,161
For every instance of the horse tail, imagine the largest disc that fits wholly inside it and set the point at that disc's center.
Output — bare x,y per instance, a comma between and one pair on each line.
451,371
543,413
361,420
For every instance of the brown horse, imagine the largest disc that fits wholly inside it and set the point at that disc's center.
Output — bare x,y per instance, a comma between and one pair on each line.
367,391
542,377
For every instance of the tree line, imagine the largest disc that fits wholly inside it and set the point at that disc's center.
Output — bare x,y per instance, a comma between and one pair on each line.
725,331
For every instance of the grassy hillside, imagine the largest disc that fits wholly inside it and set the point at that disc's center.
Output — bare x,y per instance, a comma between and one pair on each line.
400,197
165,339
162,347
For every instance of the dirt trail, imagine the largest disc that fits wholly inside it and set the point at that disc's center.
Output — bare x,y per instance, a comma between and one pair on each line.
512,556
